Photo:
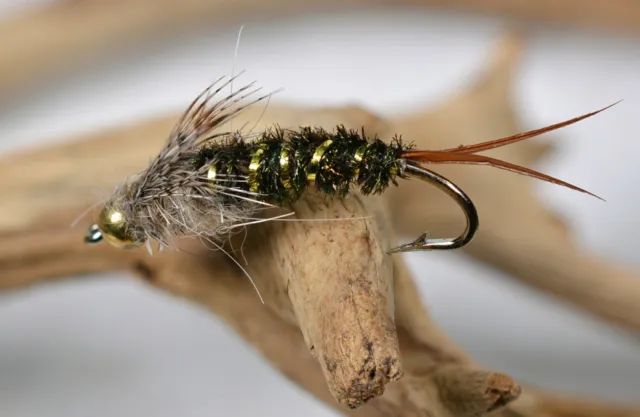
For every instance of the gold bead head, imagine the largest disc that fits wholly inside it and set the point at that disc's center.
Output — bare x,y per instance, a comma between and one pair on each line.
113,227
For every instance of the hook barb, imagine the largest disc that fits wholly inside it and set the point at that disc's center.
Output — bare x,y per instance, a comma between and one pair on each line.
460,197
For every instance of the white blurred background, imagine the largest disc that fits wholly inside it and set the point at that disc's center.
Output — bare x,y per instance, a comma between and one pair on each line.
107,346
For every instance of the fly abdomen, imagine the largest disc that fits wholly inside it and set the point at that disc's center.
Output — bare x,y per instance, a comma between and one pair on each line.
282,164
269,169
333,161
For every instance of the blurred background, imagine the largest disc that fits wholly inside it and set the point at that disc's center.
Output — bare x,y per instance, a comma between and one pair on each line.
109,346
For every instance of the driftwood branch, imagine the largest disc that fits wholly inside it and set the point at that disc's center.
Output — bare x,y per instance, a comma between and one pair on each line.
44,42
619,16
47,41
344,309
439,379
353,332
339,317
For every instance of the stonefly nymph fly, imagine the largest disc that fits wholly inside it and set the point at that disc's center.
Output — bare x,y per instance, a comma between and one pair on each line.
205,182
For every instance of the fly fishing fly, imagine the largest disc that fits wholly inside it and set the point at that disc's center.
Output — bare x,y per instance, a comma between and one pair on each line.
206,182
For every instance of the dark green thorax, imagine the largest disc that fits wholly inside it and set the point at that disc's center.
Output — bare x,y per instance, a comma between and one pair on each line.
281,163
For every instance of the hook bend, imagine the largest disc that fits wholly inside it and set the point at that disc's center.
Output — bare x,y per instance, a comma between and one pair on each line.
460,197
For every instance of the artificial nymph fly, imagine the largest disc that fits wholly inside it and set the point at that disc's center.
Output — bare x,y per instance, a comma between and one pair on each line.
205,182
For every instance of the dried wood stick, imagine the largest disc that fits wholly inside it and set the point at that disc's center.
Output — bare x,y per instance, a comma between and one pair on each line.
47,41
437,382
618,17
43,254
518,234
357,353
352,298
550,405
217,284
547,261
433,367
50,40
344,309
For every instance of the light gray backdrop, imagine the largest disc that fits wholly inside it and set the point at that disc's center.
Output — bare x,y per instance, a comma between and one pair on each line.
108,346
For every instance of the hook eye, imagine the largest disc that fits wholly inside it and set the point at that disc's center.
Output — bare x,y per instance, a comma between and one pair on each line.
94,235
